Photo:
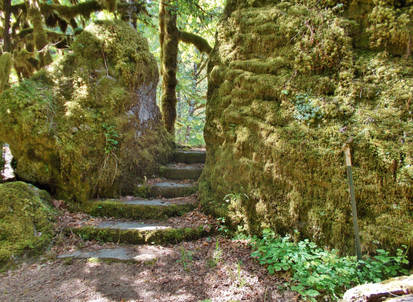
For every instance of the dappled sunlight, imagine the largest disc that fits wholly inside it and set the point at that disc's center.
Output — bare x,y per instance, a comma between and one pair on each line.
197,150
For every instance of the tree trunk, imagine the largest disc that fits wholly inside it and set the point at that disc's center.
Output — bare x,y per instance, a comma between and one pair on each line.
169,39
6,35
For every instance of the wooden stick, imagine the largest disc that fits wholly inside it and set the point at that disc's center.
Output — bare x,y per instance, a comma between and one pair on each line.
347,155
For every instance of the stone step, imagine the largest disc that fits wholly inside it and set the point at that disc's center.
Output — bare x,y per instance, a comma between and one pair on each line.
168,189
139,232
145,254
181,171
190,156
137,208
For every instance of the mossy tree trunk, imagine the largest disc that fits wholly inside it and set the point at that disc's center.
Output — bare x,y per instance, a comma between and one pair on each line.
170,36
6,34
4,78
169,39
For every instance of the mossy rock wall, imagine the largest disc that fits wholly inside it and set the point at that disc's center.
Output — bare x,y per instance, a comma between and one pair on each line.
89,125
289,83
26,220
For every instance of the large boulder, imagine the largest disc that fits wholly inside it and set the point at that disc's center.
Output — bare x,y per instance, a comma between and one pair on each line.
289,83
398,289
89,125
26,220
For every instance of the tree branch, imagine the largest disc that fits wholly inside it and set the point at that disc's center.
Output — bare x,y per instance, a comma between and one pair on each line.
61,40
83,8
200,43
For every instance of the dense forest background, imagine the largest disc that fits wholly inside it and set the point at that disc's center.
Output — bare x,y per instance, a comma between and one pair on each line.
191,89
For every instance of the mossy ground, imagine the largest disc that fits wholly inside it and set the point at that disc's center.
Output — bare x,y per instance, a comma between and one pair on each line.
26,221
89,125
289,83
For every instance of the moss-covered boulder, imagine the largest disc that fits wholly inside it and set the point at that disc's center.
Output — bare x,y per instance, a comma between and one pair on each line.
89,125
289,83
26,220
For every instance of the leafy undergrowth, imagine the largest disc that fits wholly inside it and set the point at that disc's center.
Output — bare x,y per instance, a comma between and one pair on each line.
320,274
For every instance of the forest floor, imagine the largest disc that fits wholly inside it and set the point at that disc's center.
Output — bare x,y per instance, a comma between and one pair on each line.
209,269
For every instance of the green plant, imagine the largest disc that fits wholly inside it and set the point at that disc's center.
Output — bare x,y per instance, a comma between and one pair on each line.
216,256
306,109
241,233
111,137
217,253
316,272
223,228
241,280
186,259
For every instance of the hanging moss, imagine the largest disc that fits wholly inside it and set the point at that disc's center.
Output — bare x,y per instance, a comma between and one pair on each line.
89,126
26,221
289,82
110,5
5,68
25,63
36,18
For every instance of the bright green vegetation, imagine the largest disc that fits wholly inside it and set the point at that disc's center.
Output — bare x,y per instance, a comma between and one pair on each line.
186,259
162,236
191,70
318,273
89,126
26,221
289,83
110,208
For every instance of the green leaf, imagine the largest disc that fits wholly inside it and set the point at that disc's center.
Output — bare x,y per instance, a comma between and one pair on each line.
311,293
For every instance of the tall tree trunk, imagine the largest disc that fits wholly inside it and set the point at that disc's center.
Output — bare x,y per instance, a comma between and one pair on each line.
6,57
169,38
6,35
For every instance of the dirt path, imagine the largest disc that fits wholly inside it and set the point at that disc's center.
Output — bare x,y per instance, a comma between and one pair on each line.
190,271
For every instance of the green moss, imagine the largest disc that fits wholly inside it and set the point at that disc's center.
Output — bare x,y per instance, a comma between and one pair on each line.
26,221
289,82
110,5
5,68
36,18
110,208
163,236
97,129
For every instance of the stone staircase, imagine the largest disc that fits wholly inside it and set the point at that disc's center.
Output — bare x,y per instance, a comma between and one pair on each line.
154,218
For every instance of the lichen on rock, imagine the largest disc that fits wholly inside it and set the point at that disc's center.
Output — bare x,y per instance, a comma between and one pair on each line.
89,125
289,83
26,220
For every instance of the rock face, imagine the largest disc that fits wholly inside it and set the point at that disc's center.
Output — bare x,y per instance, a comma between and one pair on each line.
289,83
25,220
396,289
89,125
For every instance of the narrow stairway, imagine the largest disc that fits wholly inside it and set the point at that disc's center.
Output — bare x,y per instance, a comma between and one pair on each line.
158,218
